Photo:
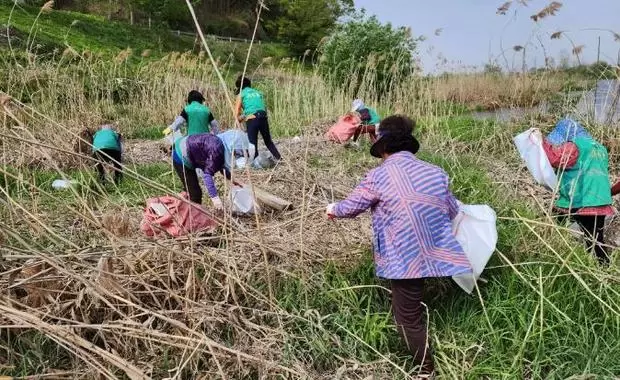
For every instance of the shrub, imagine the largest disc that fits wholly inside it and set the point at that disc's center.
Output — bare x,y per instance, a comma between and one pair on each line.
364,50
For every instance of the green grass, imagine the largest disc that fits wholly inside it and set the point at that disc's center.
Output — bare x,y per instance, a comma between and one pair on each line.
86,32
535,321
150,132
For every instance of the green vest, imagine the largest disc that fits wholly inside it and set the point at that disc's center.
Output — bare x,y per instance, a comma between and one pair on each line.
374,116
252,101
587,183
106,139
197,118
177,149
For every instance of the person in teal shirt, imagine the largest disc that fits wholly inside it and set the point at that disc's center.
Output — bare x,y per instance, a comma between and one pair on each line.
198,117
251,109
370,120
107,149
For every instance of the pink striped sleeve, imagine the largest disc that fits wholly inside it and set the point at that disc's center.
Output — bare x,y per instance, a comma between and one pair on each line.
360,200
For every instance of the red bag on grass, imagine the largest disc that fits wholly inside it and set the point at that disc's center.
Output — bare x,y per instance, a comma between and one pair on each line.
175,217
344,129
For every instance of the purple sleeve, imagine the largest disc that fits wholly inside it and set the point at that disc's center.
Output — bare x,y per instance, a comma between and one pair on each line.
209,184
360,200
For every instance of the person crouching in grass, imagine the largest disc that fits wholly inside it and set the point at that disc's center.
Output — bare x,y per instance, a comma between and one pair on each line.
106,148
412,211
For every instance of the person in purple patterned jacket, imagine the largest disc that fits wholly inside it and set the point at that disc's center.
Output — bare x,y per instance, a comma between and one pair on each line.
412,211
203,151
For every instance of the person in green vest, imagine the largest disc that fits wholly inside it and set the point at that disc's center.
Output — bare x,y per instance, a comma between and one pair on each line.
107,149
370,120
251,109
584,191
196,115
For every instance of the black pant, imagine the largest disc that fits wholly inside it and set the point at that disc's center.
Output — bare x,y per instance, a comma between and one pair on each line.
261,124
109,156
189,179
593,227
410,316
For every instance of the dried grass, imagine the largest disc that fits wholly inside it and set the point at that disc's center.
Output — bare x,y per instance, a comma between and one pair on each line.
549,10
489,91
118,223
131,300
48,6
504,8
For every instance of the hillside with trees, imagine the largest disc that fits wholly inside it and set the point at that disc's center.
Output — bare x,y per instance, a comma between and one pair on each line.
301,24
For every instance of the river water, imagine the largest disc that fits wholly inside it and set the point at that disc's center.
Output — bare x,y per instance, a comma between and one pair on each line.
600,105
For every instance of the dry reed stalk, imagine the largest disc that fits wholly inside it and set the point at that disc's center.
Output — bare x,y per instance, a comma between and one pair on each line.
48,6
549,10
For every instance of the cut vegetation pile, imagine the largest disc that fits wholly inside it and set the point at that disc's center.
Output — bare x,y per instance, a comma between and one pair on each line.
83,294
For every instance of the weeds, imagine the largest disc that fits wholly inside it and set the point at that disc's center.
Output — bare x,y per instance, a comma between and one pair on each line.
111,303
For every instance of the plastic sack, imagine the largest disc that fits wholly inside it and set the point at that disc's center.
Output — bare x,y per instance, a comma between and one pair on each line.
264,161
344,129
241,163
243,201
175,217
62,184
530,147
476,231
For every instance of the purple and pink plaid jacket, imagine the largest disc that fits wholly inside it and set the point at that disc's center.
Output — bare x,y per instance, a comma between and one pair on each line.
412,211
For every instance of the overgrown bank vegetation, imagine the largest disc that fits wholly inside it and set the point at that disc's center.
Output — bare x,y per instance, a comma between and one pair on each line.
289,295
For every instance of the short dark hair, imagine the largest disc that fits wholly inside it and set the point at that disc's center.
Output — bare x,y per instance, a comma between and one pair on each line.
396,135
241,83
195,96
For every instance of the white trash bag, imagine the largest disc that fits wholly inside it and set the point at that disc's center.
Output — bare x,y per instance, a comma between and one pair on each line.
241,162
476,231
243,201
264,161
529,145
63,184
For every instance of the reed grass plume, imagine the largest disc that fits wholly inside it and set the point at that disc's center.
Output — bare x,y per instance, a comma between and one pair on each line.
83,294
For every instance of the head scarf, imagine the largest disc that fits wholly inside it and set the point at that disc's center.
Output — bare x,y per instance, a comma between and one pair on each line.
567,130
357,105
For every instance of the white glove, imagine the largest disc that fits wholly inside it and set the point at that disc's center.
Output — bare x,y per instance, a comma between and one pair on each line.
330,211
217,203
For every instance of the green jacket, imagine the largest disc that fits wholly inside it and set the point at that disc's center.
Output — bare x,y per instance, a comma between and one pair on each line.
180,149
106,138
252,101
586,184
369,116
198,117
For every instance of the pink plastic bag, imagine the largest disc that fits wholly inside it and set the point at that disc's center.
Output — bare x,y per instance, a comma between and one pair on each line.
175,217
344,129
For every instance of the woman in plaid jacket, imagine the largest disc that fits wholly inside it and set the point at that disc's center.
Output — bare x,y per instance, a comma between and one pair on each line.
412,211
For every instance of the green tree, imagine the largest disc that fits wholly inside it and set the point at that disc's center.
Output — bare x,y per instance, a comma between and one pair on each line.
365,48
304,23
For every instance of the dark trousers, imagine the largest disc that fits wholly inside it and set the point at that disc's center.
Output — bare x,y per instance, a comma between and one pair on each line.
109,156
261,124
593,227
410,316
189,179
371,130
